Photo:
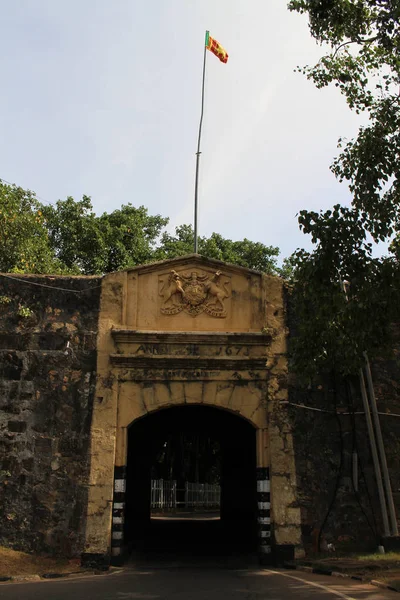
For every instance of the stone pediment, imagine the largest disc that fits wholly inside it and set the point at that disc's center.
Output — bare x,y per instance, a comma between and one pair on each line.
193,293
195,260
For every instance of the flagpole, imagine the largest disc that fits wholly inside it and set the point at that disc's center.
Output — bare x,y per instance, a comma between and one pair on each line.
196,185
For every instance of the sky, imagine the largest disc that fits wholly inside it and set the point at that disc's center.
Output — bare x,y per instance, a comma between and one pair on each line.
103,98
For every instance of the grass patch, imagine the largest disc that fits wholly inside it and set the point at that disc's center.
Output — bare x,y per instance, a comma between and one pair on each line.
389,556
14,563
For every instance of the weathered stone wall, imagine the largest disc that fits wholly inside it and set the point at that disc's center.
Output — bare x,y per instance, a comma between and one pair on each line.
323,447
60,439
386,376
46,398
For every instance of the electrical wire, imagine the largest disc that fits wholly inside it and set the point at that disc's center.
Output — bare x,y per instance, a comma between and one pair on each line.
36,196
337,414
51,287
331,412
352,414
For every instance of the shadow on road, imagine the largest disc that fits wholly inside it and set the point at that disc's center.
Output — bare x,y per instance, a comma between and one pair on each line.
200,540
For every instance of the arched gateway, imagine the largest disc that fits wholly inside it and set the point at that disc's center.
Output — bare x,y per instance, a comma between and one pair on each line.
200,334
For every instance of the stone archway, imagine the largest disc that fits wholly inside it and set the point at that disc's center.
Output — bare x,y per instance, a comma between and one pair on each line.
235,438
153,354
141,395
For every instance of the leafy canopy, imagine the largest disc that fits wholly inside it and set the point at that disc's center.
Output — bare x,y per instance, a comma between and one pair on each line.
24,243
69,237
344,300
361,42
245,253
90,244
363,61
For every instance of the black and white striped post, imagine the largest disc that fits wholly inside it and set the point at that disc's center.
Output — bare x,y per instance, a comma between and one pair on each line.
117,529
264,514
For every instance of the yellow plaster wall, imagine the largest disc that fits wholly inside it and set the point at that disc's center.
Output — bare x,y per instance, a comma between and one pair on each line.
285,516
136,400
131,301
244,307
104,419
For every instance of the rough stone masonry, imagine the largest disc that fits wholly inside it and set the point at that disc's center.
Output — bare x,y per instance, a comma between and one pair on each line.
82,358
47,381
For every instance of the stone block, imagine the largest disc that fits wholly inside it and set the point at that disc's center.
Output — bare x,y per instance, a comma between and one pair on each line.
51,341
287,534
43,445
147,396
162,395
193,392
11,365
28,463
17,426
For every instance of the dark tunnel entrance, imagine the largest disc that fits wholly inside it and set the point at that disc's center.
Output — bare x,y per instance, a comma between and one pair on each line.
191,445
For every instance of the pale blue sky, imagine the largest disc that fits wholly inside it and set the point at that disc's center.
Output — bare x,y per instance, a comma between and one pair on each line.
102,98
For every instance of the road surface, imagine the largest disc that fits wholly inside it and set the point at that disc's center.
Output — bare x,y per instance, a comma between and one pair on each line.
202,582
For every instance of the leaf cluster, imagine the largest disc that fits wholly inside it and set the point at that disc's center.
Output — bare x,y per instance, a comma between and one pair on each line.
361,39
363,60
24,242
91,244
343,300
253,255
70,238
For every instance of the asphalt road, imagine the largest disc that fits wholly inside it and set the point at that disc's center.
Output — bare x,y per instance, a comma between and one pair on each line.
196,583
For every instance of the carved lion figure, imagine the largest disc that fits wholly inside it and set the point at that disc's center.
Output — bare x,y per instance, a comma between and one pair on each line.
215,289
174,287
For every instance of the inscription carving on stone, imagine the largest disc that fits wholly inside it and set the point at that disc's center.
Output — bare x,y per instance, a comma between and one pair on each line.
194,293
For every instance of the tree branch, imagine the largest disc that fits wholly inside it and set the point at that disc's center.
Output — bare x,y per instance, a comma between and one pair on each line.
356,41
344,44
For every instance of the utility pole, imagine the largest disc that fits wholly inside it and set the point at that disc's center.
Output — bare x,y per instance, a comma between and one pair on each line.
381,448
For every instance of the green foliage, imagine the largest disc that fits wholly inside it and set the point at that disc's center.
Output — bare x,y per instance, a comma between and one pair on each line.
334,322
13,307
24,243
4,475
253,255
89,244
364,63
131,236
70,238
74,235
362,60
24,311
286,271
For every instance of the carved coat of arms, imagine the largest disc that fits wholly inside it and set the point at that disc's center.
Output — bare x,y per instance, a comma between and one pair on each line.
194,294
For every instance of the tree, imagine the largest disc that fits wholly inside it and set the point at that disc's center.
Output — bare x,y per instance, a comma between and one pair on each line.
24,242
363,62
344,300
90,244
253,255
68,237
129,236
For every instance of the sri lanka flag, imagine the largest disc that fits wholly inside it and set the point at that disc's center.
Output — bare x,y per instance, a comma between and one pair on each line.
216,48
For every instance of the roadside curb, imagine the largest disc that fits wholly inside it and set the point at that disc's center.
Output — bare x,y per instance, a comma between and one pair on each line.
321,571
47,576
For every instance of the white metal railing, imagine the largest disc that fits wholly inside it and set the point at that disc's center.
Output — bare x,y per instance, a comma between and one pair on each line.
164,494
202,494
